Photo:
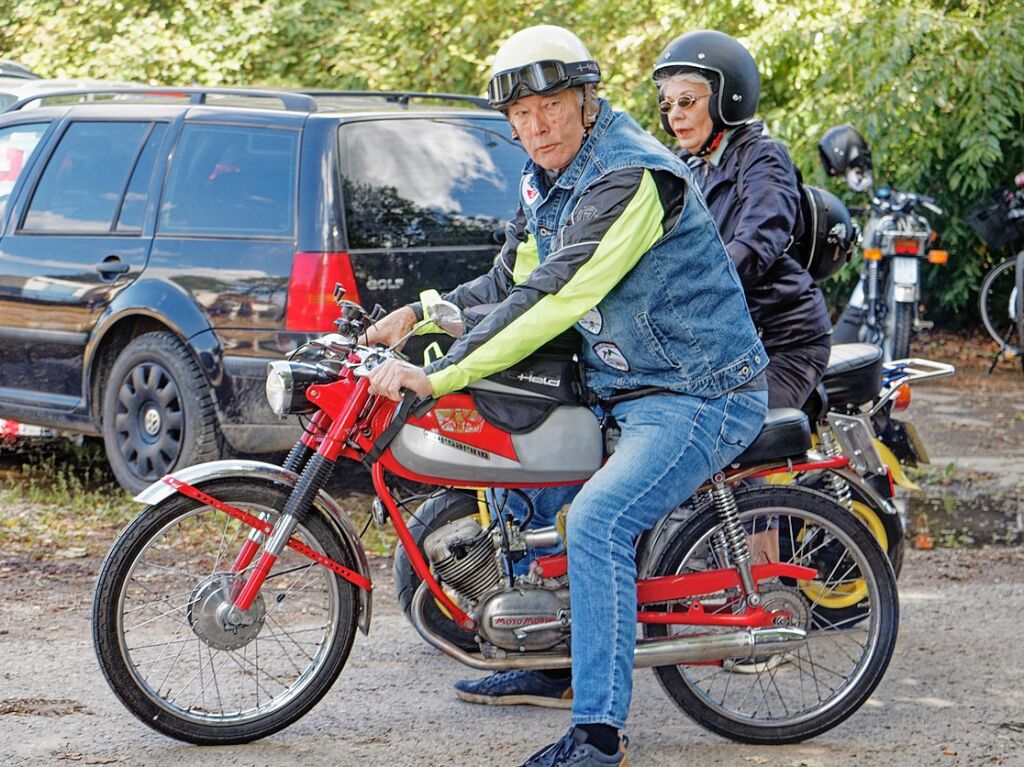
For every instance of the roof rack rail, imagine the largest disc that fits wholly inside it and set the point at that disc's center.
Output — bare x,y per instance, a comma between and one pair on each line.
404,97
12,68
292,102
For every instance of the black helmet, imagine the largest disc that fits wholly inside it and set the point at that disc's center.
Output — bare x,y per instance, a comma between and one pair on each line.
829,235
842,148
735,83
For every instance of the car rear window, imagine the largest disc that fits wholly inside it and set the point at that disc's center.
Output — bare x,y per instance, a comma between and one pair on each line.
232,182
84,181
428,182
17,143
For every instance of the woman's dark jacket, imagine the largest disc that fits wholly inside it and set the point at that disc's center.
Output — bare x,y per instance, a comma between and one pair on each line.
757,224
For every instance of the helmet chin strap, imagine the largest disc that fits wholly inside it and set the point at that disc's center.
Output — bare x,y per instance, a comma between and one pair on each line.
711,144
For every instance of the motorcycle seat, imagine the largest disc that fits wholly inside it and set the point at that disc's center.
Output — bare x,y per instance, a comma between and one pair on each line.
853,375
786,434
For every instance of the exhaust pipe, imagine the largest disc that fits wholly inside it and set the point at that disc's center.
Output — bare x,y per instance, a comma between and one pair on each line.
653,652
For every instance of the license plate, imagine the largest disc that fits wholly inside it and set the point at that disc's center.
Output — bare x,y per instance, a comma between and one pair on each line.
904,270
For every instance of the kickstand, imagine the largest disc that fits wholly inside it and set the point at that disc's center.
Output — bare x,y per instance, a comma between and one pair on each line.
995,361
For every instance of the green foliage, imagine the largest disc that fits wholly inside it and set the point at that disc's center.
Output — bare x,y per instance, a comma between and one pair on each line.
937,88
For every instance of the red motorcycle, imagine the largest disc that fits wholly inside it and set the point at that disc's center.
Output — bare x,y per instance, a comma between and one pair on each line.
228,607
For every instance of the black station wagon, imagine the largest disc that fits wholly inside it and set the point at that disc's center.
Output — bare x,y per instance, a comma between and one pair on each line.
159,247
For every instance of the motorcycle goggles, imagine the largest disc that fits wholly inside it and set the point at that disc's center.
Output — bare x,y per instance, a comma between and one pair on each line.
539,78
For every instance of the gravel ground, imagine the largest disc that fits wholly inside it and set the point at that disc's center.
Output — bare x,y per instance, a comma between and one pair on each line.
954,694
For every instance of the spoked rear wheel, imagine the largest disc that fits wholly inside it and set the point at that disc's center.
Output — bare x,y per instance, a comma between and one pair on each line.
158,620
795,696
997,301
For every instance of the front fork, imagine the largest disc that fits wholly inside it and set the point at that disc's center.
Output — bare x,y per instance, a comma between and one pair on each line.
315,469
295,462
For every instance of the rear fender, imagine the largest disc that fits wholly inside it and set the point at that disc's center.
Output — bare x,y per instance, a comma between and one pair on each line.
258,471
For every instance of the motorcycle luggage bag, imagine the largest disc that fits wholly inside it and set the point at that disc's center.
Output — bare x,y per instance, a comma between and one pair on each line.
853,375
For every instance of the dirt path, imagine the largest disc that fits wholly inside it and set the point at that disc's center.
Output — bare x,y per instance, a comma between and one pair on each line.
956,684
954,694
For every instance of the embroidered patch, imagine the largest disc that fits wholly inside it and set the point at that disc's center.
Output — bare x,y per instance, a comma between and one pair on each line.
584,213
611,356
530,193
592,321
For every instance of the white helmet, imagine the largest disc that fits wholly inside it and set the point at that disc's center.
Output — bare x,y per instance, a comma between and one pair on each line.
539,60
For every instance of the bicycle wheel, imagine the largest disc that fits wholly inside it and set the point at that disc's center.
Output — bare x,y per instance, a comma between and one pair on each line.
997,302
163,647
795,696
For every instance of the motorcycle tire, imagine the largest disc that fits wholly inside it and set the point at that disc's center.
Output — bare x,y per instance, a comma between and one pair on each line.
438,510
902,330
764,700
166,654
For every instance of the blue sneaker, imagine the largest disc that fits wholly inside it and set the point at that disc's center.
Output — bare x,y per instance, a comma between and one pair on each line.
574,751
517,688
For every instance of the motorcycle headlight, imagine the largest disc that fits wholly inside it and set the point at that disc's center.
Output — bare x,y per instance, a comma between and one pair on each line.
286,387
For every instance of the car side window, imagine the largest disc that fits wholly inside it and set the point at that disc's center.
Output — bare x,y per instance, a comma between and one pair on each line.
17,143
231,181
81,188
133,206
428,182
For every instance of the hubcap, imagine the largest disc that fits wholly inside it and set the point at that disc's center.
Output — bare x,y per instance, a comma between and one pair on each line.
149,421
210,601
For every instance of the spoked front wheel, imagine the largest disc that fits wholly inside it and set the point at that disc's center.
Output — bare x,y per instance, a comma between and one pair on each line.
788,697
160,633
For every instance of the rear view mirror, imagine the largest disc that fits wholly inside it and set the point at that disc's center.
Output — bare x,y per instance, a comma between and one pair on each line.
448,317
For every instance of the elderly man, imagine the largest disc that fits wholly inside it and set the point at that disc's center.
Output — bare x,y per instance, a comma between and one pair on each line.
611,238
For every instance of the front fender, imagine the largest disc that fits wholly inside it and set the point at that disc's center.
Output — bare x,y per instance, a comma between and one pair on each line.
267,472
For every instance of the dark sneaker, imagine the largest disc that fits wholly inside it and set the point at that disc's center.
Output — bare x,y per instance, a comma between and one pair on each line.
517,688
574,751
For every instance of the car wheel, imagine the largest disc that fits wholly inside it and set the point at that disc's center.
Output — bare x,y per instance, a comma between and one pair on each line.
158,413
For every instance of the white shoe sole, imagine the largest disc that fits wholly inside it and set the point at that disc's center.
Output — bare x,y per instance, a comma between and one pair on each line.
515,700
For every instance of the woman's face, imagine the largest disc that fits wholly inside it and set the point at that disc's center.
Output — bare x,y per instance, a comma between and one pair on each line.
692,125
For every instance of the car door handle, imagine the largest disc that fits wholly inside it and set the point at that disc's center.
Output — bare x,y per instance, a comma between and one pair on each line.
112,266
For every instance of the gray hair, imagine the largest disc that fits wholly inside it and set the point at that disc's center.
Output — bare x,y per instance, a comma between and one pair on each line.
683,77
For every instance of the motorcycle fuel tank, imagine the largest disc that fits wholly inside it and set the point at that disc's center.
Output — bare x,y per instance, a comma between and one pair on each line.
456,442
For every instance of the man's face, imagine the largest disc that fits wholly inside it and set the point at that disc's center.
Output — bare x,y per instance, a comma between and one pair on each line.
550,127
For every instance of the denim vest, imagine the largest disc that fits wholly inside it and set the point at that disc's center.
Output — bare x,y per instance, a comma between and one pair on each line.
678,320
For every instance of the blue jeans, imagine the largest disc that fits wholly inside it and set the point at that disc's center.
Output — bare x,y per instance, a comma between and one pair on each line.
670,445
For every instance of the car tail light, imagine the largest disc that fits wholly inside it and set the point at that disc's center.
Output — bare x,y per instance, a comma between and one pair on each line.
902,401
311,305
906,247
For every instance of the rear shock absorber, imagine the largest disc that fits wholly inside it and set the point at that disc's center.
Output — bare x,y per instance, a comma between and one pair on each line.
838,486
735,535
